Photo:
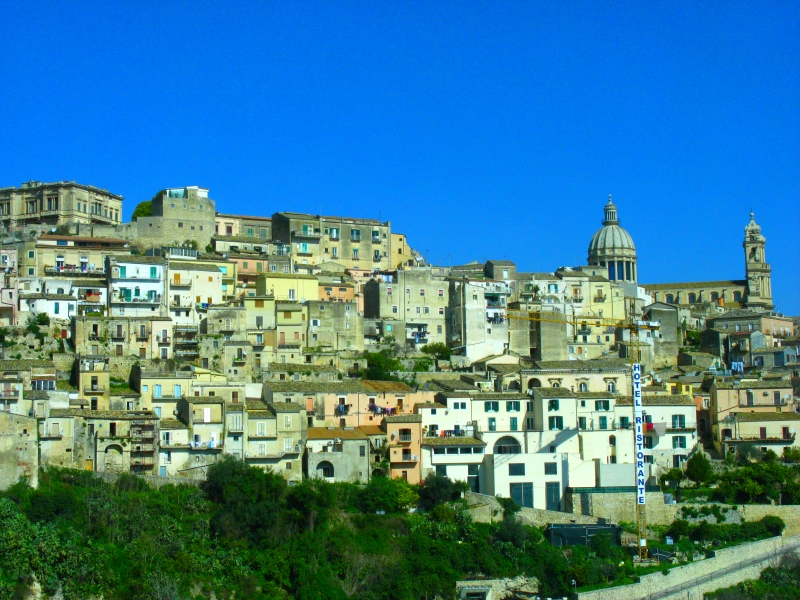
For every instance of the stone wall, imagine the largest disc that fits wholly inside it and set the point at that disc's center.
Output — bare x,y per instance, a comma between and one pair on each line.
64,363
154,482
19,450
703,575
486,509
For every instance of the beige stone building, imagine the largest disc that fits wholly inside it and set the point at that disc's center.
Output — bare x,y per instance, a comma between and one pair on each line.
274,437
143,337
353,242
180,216
338,454
57,203
191,288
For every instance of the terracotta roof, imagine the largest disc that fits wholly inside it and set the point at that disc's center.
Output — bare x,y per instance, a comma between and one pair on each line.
579,365
429,405
386,386
330,433
372,430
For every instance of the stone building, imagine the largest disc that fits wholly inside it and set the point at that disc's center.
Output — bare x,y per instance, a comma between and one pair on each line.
252,229
136,285
335,326
477,321
338,454
142,337
51,204
179,216
353,242
19,450
415,300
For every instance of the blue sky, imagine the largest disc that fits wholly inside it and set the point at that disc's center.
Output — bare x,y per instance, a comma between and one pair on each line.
481,130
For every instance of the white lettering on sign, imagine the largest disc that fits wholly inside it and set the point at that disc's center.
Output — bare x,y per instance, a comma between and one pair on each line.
638,428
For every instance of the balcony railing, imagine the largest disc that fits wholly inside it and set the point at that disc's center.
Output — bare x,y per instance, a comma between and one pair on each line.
306,234
142,337
404,437
771,439
94,389
376,240
409,458
180,282
745,404
163,339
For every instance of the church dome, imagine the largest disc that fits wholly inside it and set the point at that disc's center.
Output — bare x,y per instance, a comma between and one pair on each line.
612,248
611,237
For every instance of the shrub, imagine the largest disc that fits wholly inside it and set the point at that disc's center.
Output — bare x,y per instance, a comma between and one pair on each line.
698,468
435,490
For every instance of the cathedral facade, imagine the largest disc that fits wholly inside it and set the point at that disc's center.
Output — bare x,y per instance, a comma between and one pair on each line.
612,248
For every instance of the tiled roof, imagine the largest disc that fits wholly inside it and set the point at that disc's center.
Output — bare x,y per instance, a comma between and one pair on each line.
285,406
192,266
452,441
386,386
454,385
505,369
241,238
404,419
554,392
300,368
753,385
24,364
171,424
658,400
429,405
580,365
330,433
205,399
594,395
47,297
103,414
767,416
372,430
315,387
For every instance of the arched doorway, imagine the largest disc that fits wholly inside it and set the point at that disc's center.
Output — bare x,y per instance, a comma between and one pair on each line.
112,461
507,445
325,470
534,383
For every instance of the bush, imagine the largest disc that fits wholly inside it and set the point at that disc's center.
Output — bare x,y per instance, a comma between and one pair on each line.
698,468
435,490
387,494
510,508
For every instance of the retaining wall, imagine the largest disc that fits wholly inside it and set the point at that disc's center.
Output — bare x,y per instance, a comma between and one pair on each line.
729,566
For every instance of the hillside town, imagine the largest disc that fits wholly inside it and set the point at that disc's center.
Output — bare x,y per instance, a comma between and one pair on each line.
328,347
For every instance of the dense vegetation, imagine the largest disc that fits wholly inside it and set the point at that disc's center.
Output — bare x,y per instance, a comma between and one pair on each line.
245,533
749,476
781,582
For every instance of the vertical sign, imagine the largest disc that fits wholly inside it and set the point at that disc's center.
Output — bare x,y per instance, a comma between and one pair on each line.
638,428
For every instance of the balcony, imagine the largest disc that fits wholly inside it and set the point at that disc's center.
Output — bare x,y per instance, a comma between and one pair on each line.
180,282
155,299
599,299
682,427
184,328
94,389
404,437
74,272
163,339
239,360
408,458
118,336
142,337
577,299
376,259
186,341
744,404
306,234
376,240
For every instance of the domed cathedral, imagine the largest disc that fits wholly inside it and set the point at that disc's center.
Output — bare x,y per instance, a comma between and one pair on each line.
753,292
612,247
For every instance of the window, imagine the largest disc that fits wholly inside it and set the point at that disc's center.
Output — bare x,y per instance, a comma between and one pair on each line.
153,272
394,309
522,494
492,424
441,311
388,291
679,441
678,421
611,387
492,406
648,442
516,469
513,424
552,492
512,406
552,405
581,422
555,423
551,468
601,405
441,293
603,422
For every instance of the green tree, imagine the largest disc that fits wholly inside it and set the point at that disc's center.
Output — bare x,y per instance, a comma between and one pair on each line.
438,351
672,479
390,495
698,468
435,490
380,366
143,209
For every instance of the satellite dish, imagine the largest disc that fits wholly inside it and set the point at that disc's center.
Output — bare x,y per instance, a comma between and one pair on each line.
53,230
224,256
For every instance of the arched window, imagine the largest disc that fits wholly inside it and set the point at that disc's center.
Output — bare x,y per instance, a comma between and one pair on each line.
670,299
692,298
325,469
611,387
714,296
612,440
507,445
534,383
556,384
737,296
584,387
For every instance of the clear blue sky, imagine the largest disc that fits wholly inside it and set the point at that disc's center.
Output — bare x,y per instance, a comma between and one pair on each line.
481,130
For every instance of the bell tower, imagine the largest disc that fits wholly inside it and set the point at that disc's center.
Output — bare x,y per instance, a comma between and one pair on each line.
757,269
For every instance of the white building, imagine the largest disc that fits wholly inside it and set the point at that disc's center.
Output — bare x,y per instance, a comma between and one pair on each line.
136,286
